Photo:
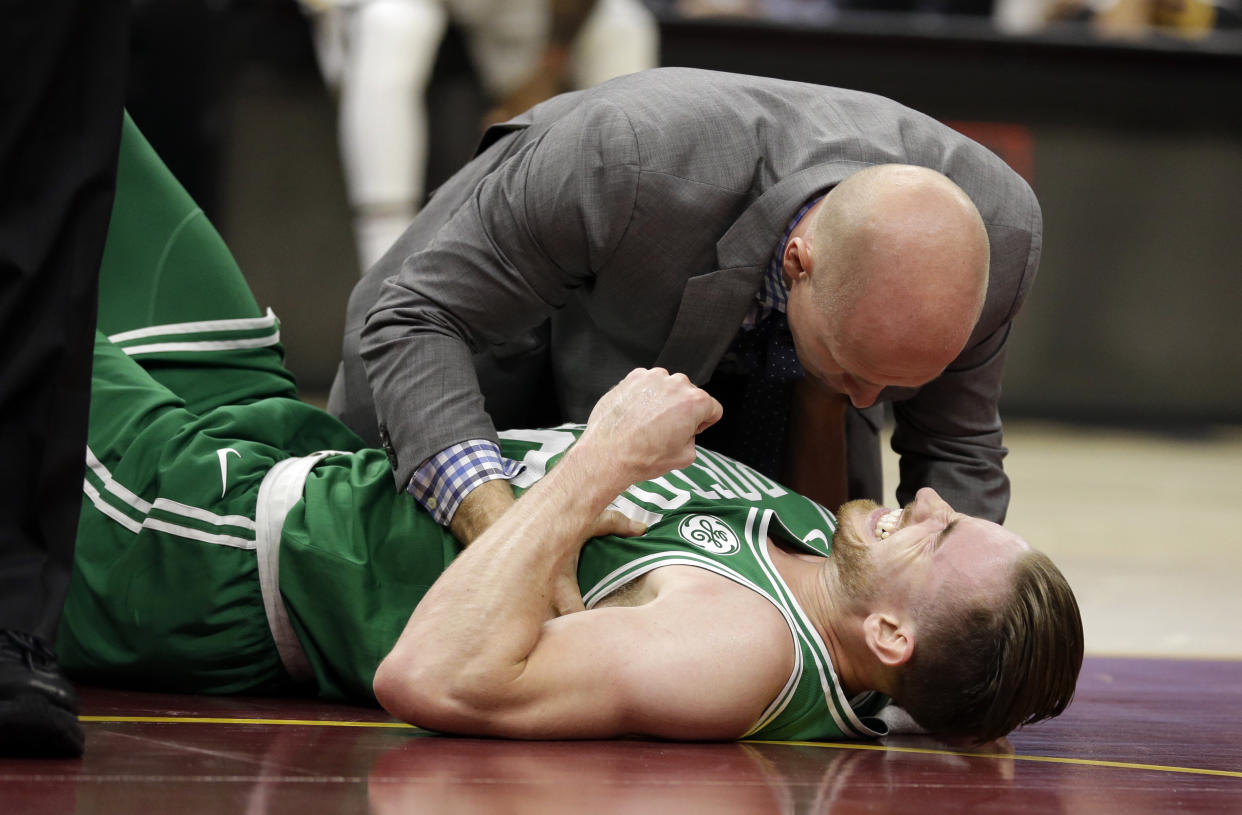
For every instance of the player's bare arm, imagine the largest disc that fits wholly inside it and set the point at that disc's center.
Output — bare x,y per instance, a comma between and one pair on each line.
471,652
682,654
481,508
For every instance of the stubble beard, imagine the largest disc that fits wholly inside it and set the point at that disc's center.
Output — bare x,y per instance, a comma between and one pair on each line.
856,575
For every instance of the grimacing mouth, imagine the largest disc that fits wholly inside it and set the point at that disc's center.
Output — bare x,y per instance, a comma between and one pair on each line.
888,523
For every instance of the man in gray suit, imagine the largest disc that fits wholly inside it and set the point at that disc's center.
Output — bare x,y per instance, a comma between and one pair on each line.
675,218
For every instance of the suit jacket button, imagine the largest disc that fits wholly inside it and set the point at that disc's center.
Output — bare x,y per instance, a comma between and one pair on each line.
386,445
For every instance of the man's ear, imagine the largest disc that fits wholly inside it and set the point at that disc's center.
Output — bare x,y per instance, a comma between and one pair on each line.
796,262
889,639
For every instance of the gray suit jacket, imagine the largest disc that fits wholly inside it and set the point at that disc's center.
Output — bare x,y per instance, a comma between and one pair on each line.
635,219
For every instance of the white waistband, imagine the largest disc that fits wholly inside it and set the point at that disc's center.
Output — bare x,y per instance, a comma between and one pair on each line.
280,490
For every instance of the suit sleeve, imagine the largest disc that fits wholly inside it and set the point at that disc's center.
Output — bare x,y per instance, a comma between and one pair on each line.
948,435
538,227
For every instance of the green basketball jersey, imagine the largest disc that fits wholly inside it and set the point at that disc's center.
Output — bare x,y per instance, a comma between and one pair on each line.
717,514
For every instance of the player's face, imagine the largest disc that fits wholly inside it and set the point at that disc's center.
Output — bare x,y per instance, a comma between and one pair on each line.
928,551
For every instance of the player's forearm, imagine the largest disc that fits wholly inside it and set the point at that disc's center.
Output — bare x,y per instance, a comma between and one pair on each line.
468,640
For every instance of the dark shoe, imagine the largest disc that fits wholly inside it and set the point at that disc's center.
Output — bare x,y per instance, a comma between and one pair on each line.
38,706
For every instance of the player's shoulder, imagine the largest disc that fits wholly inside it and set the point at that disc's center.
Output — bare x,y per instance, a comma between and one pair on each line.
720,604
725,650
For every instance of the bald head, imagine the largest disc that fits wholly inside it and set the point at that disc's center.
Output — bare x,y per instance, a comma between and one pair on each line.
900,259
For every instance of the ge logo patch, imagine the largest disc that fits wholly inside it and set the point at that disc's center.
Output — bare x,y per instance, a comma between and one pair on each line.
708,533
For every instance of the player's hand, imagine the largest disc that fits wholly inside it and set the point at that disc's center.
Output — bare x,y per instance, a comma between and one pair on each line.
566,594
611,522
645,426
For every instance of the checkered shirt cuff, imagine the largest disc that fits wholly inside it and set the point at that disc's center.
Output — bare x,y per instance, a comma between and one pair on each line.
444,480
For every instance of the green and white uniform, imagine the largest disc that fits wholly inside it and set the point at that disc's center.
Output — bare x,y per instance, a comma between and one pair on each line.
195,435
717,514
226,547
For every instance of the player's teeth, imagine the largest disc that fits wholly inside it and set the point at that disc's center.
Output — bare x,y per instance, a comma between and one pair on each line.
887,523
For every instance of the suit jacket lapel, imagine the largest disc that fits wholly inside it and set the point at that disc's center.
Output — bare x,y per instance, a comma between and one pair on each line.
714,304
711,311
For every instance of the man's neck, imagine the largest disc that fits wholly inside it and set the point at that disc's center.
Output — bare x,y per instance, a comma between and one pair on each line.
806,578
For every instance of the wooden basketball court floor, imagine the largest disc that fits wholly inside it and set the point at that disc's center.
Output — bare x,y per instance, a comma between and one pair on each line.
1145,527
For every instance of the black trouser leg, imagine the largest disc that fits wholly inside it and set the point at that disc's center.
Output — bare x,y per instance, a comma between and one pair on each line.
61,94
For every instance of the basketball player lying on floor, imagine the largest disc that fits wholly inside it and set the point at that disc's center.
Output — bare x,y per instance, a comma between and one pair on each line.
236,540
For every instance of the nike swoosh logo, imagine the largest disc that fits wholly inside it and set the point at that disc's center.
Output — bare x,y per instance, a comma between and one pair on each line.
223,453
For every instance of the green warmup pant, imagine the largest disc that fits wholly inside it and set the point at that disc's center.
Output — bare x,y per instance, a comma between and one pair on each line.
224,545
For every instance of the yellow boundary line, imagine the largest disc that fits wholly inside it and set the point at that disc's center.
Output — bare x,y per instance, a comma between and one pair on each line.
210,720
1082,762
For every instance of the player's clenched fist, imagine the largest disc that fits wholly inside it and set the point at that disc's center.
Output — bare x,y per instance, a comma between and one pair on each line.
647,423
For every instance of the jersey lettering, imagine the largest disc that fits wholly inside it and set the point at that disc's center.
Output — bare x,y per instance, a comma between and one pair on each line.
711,477
551,444
732,479
702,492
676,496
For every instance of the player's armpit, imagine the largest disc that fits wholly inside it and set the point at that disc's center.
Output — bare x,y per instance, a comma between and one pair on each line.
699,662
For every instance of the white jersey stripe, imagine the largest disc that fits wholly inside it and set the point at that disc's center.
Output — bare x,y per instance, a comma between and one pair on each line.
107,509
115,488
834,694
619,577
201,326
112,486
204,346
198,534
176,508
782,700
634,512
759,548
102,504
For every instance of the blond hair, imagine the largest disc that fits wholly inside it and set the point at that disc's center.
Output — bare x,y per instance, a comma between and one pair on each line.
983,672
